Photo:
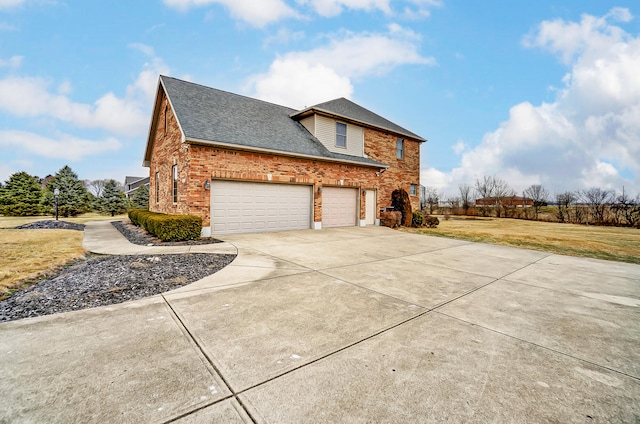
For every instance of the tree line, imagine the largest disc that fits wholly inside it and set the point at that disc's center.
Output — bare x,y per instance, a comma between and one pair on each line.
27,195
593,206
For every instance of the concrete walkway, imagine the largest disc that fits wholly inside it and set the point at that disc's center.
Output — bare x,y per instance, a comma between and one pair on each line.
354,325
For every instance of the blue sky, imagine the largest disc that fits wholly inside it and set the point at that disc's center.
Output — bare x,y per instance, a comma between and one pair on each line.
537,92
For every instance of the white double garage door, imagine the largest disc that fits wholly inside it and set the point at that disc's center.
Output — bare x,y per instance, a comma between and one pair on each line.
246,207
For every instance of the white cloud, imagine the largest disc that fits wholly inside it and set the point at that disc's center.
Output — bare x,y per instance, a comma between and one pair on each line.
13,62
431,177
7,4
326,72
283,36
568,39
256,13
330,8
147,50
65,147
297,83
589,136
264,12
420,8
32,97
65,88
459,147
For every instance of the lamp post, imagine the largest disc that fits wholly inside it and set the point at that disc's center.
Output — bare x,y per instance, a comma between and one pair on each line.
56,193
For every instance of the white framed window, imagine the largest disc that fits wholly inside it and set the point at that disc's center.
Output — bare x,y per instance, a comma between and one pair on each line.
341,134
175,183
414,189
157,187
400,148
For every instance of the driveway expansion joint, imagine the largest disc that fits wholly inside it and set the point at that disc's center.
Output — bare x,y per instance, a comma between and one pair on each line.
556,351
203,354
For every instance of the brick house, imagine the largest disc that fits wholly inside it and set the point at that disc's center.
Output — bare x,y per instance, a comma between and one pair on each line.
131,184
245,165
507,201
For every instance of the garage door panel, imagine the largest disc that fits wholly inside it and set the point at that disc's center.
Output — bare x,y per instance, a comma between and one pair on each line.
245,207
339,207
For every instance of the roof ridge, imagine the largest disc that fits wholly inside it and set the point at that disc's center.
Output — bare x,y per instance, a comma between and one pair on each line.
225,91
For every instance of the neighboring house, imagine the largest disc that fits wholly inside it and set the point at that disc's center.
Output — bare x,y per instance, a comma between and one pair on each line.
245,165
509,201
131,184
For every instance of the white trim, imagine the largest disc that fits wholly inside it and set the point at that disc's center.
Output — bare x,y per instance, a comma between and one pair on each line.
317,225
363,223
205,232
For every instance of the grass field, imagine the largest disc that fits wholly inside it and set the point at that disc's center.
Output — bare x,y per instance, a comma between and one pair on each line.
28,255
610,243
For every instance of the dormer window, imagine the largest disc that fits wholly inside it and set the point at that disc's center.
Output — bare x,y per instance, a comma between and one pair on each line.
341,134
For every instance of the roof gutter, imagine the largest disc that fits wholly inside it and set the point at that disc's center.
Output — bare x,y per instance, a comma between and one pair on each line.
232,146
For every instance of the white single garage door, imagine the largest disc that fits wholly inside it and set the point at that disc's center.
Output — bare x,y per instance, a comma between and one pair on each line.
244,207
339,207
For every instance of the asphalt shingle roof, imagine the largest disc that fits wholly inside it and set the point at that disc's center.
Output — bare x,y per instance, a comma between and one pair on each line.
211,116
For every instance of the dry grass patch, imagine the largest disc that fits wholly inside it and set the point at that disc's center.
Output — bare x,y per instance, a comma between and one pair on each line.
28,255
610,243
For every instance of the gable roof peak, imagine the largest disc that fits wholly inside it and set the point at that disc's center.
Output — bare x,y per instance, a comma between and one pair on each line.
346,109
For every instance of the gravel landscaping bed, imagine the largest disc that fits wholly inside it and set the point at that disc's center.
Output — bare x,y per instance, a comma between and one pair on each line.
51,224
140,236
101,280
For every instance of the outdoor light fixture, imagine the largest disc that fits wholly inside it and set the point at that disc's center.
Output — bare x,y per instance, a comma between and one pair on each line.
207,184
320,190
364,192
56,193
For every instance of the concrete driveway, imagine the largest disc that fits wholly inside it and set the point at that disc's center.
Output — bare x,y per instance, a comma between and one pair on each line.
356,325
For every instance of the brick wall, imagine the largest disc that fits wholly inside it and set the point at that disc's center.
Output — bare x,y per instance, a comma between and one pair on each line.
167,151
197,163
381,147
215,163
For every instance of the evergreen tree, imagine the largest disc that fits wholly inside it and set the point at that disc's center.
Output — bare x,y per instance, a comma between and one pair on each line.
112,199
20,196
74,198
140,198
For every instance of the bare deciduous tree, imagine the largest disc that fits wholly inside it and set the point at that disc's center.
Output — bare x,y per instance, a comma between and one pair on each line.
597,201
565,201
466,198
625,208
493,190
431,198
95,187
538,195
484,190
453,203
502,193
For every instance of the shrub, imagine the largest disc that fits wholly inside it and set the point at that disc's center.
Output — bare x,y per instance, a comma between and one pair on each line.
418,219
136,216
431,221
174,227
391,219
401,202
167,227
